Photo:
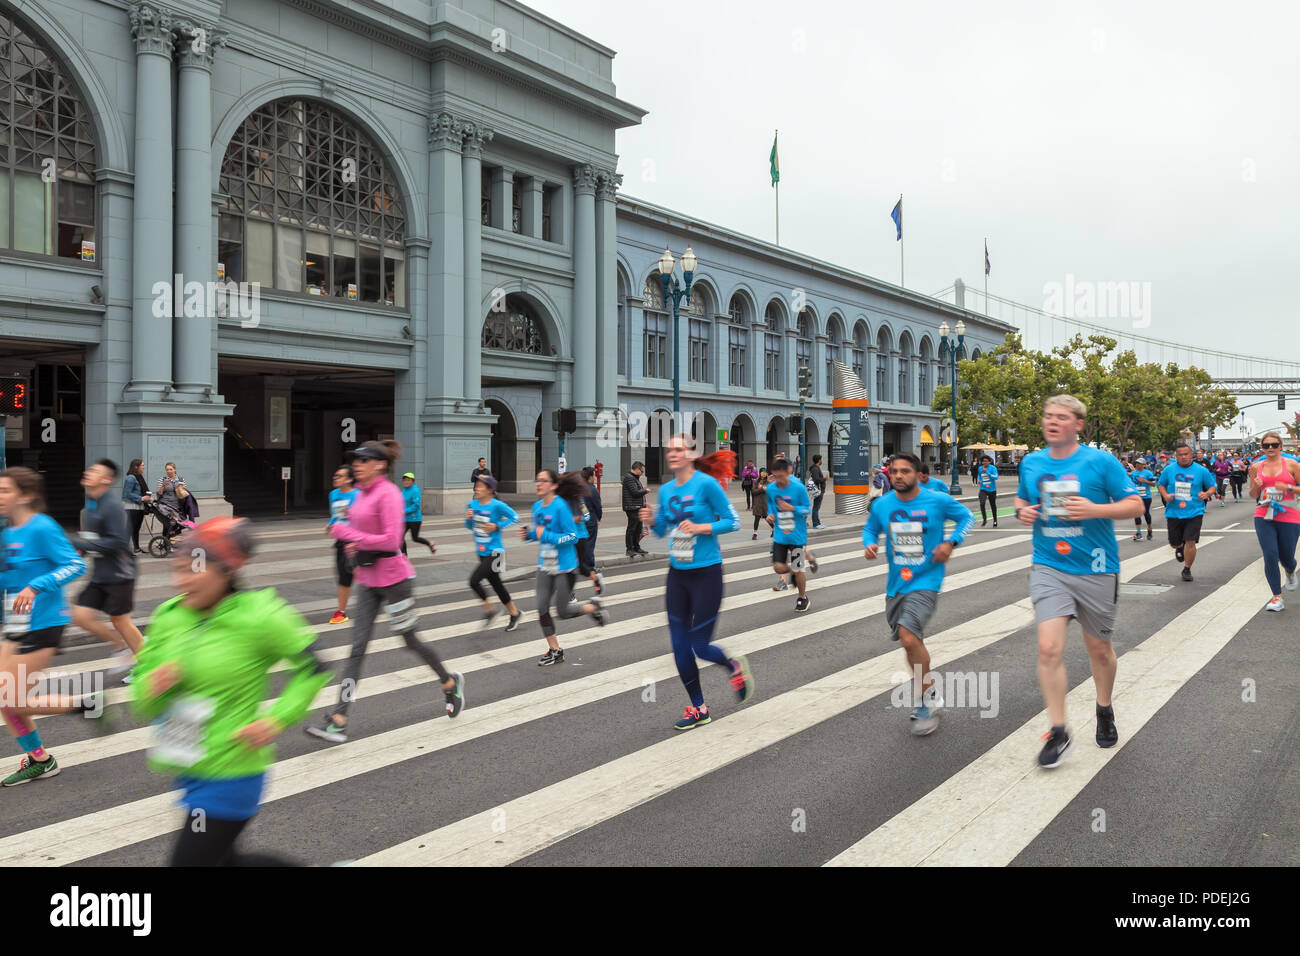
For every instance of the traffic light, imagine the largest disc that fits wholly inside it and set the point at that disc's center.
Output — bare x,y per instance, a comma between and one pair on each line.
564,421
796,424
805,381
1281,403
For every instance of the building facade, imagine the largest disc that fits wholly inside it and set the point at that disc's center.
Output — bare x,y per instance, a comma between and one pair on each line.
245,235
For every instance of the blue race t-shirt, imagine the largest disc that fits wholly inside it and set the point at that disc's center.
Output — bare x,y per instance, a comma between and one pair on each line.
913,529
340,502
935,484
791,526
1143,490
699,500
412,497
1183,485
989,478
495,512
555,551
37,555
1075,547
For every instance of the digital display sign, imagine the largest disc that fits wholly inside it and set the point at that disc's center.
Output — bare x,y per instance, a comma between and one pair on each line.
15,400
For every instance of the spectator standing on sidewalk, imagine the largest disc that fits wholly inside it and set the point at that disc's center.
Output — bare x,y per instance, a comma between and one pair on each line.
633,500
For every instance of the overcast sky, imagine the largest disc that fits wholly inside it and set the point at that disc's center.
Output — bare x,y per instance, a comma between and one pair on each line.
1156,142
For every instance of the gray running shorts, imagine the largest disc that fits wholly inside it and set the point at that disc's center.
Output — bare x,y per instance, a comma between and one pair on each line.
911,610
1091,598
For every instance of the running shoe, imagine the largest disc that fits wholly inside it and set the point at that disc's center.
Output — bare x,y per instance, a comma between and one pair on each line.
489,617
339,618
1293,580
29,770
456,696
1056,745
742,681
552,656
1187,574
755,537
801,604
924,721
600,615
643,552
1148,534
1107,735
328,730
123,662
1137,536
692,718
514,622
1277,604
573,599
984,522
812,564
629,554
819,527
783,586
600,584
1178,555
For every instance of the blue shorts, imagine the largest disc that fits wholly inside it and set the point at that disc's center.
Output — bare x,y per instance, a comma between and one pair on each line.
237,798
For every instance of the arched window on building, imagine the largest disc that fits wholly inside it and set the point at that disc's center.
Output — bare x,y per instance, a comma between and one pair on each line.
311,207
834,351
516,328
803,346
860,351
47,153
772,350
924,382
905,369
622,326
737,342
883,346
701,336
654,336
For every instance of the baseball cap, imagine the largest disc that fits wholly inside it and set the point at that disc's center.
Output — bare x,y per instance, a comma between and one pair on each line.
227,541
410,474
488,480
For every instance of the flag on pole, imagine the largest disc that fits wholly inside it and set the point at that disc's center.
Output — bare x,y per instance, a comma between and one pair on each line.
776,166
986,257
897,216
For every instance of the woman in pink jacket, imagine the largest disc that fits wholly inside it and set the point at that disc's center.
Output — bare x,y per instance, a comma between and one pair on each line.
373,530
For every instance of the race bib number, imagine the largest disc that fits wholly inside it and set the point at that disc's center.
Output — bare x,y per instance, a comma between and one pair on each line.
1054,495
480,533
796,559
339,510
550,558
681,546
905,538
179,738
1272,494
15,623
1182,491
785,521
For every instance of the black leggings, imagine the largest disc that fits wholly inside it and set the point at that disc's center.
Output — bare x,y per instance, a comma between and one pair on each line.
757,519
1137,522
632,538
413,529
214,845
992,498
749,497
137,519
488,570
1237,480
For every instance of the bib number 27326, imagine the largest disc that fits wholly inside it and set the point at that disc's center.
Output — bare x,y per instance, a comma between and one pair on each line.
179,738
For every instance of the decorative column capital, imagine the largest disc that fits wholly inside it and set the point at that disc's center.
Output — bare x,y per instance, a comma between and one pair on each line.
445,132
151,27
584,179
607,183
196,43
475,136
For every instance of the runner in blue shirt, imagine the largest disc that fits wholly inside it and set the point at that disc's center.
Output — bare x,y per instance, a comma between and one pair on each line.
929,482
1185,486
788,507
1144,480
486,515
693,510
552,526
1071,495
413,499
37,562
912,518
988,483
341,498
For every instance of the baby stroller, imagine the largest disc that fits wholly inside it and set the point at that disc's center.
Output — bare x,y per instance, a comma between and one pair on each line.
168,524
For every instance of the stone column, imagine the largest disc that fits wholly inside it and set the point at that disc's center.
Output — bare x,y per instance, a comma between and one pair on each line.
195,45
446,347
607,318
503,198
533,199
151,336
472,184
580,447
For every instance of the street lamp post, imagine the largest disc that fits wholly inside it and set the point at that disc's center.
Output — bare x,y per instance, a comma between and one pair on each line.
676,293
955,349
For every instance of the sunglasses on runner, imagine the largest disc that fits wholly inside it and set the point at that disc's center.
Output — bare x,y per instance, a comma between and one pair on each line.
1271,444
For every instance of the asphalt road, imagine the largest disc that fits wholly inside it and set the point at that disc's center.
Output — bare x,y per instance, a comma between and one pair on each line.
578,764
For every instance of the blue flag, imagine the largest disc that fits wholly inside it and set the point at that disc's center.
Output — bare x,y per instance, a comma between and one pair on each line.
897,216
986,257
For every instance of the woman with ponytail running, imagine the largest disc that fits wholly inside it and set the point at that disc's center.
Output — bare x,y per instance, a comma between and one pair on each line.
1273,482
36,563
486,515
374,532
553,528
693,510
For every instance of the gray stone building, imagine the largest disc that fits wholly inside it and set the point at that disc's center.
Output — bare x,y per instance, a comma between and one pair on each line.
245,235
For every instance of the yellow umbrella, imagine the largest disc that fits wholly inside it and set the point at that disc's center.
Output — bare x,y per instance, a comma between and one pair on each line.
978,446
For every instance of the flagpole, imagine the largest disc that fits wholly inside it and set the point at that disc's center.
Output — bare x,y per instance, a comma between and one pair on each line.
902,242
986,275
776,134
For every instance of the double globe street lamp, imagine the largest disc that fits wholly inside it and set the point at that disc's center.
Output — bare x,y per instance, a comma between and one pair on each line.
676,293
956,348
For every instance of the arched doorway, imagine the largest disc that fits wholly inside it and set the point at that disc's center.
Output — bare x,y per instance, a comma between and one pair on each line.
537,454
743,442
503,455
813,445
704,429
660,430
777,437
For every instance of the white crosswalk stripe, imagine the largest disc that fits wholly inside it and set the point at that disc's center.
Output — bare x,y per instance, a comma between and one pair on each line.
985,812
